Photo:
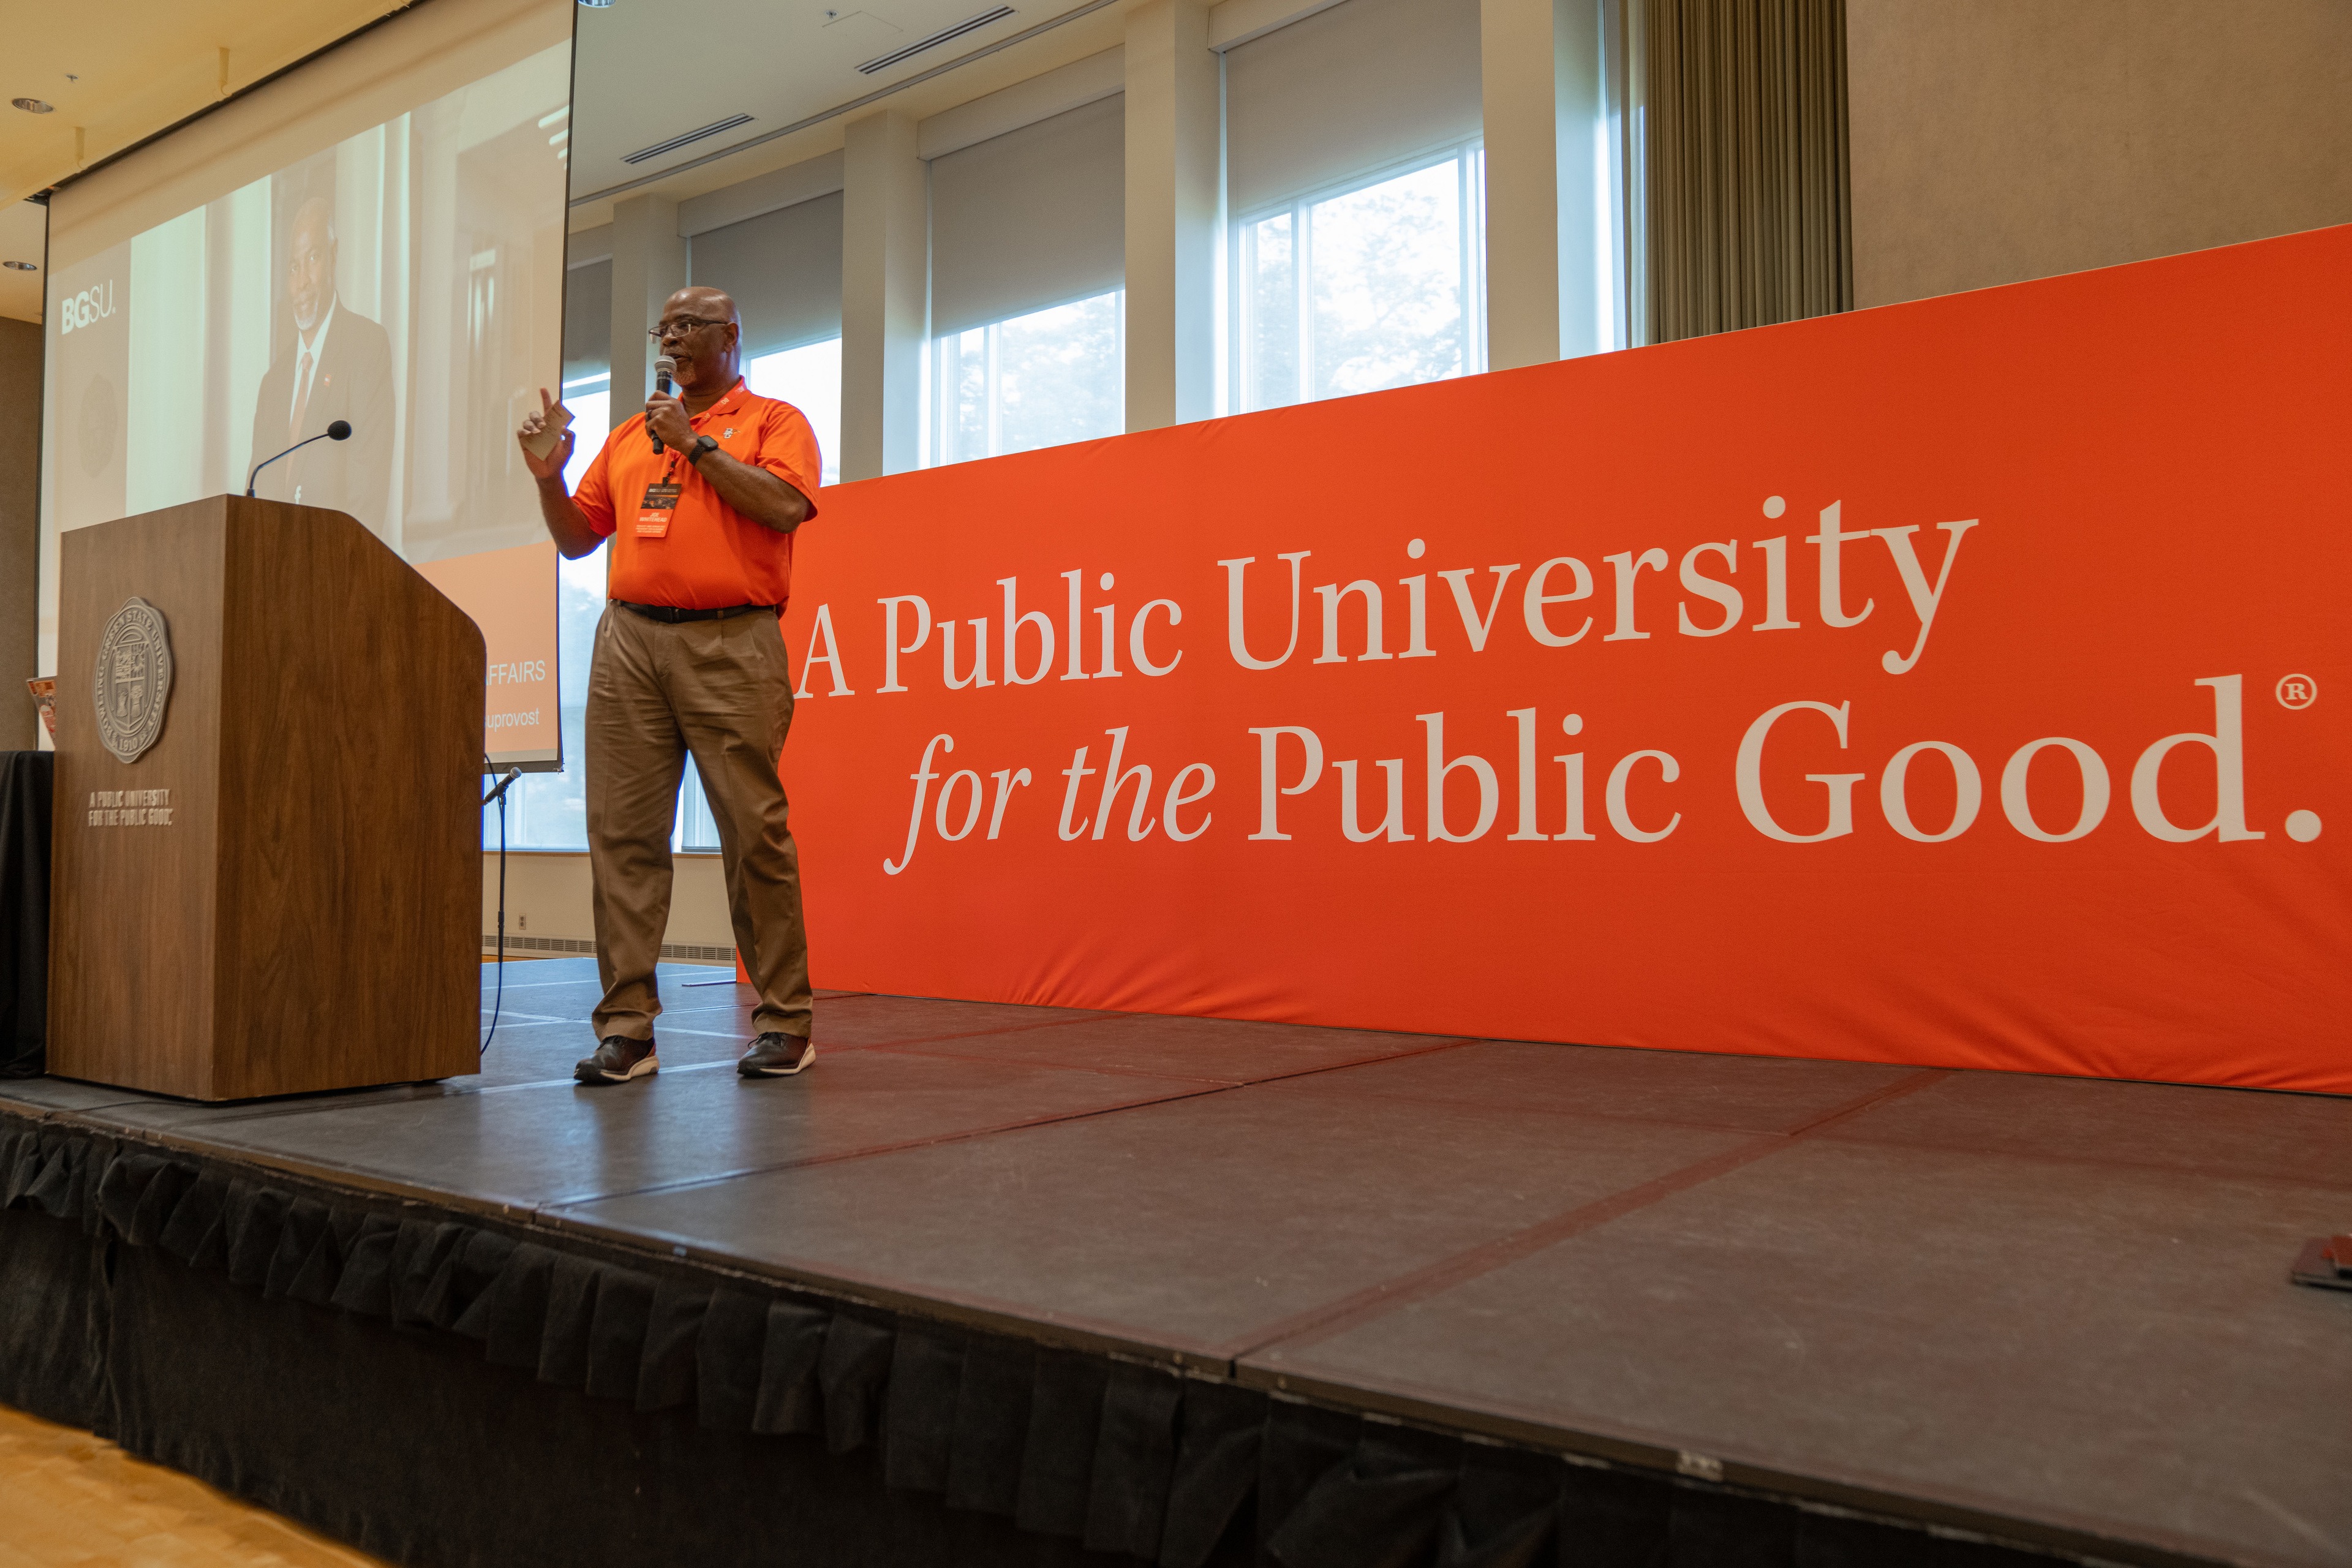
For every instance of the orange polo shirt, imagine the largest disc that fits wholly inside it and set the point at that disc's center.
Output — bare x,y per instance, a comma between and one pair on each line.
709,556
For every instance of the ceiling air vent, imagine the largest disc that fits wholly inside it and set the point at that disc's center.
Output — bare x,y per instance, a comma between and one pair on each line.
945,35
687,138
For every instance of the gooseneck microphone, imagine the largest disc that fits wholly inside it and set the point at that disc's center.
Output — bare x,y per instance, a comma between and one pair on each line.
663,368
340,430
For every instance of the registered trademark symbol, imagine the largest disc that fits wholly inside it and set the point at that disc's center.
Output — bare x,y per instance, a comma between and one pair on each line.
2298,691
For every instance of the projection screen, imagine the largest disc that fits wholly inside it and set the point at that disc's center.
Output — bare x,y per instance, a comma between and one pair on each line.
375,236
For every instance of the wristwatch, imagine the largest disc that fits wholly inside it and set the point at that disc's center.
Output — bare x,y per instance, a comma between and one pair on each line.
694,454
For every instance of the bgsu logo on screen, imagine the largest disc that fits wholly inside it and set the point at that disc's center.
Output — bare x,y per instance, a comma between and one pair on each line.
86,308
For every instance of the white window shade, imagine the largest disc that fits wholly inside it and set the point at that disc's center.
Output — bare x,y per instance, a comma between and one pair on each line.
1348,91
587,321
783,268
1035,217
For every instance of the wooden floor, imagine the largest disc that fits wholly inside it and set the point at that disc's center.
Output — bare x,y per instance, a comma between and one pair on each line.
69,1499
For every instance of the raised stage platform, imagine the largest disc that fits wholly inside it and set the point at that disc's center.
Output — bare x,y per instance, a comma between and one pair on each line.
1201,1290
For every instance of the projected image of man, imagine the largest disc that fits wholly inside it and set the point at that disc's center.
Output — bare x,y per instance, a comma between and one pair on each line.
337,366
700,495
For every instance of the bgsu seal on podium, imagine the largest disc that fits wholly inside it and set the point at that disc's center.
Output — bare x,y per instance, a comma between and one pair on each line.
133,679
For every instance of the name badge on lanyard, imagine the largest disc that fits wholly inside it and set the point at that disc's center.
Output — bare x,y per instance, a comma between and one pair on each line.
653,512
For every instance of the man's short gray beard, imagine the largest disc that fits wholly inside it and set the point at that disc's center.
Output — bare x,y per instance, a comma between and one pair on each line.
305,325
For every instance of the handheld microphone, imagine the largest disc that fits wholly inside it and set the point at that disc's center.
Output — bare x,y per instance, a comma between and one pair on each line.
340,430
663,368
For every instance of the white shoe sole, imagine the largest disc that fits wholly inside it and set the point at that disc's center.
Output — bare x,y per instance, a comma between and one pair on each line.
807,1058
644,1068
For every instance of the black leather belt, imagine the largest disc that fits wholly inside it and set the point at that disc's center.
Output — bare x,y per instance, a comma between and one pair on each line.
673,614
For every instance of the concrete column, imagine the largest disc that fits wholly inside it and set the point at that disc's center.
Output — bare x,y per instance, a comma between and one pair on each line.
884,296
648,267
1540,65
1174,187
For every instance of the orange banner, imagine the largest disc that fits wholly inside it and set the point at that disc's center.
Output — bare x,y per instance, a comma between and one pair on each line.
1948,683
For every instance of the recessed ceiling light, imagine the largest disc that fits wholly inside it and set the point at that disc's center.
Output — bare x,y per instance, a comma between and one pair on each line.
21,266
32,105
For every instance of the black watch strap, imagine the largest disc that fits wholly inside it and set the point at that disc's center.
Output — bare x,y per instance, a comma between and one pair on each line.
702,443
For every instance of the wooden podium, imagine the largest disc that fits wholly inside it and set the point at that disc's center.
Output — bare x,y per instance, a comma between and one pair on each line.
281,892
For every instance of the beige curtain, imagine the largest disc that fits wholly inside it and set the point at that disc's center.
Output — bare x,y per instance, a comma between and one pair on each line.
1750,211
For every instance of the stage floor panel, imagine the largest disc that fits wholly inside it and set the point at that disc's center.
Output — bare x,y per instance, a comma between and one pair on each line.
2055,1302
1199,1225
2089,1344
541,1145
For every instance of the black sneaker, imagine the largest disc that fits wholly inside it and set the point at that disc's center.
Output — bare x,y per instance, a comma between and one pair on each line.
618,1060
776,1055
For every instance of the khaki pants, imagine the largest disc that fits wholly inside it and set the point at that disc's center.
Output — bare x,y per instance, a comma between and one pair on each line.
720,690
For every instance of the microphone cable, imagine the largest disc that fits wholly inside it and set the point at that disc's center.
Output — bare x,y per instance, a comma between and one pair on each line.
498,1001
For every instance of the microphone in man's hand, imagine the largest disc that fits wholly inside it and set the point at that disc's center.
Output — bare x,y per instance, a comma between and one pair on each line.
340,430
664,369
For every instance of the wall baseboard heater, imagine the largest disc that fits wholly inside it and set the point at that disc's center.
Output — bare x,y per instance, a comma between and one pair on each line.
684,952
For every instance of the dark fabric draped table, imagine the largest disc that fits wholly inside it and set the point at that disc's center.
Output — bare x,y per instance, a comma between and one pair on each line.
28,780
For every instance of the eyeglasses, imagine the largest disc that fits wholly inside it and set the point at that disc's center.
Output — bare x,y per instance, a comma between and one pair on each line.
678,326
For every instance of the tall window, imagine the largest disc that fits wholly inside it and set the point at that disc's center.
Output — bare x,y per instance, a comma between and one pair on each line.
1375,285
1028,301
1355,179
809,378
1039,380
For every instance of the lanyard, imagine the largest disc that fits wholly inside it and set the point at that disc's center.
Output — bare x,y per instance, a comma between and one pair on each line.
660,503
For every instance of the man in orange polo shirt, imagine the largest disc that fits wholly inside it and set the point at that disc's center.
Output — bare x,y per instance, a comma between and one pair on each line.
699,495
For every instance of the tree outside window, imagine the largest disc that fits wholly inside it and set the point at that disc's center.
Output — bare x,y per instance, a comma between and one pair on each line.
1043,379
1373,285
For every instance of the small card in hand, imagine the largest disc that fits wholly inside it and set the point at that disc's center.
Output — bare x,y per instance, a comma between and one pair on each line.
550,434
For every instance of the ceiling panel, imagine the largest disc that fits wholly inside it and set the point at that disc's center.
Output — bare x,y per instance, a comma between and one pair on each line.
648,72
148,64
